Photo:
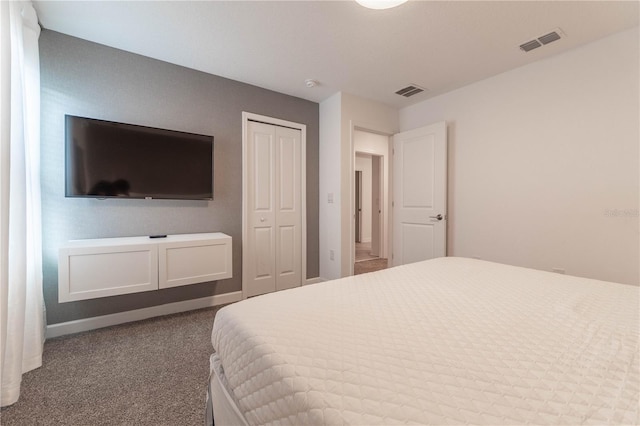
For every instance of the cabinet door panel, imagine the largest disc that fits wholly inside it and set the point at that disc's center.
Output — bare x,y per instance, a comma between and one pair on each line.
189,262
87,273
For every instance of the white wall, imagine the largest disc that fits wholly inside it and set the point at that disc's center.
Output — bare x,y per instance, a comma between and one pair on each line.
544,160
329,172
363,164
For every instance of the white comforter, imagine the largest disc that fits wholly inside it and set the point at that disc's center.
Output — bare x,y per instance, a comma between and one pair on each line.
445,341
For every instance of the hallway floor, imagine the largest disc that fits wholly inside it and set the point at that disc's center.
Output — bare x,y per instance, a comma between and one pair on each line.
365,261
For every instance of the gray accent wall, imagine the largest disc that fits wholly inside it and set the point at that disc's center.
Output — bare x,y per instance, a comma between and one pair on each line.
82,78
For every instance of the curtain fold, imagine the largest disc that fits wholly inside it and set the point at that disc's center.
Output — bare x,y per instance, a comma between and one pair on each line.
22,300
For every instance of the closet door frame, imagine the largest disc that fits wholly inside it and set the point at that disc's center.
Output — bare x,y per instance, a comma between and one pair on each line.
246,118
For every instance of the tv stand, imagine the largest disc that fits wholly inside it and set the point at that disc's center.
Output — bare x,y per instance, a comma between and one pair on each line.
89,269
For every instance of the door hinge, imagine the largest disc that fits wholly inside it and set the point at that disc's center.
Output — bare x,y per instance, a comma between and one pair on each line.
393,204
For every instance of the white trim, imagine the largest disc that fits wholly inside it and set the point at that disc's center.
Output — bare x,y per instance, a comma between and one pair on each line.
93,323
249,116
315,280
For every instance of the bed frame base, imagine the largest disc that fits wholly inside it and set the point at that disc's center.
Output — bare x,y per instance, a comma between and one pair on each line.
221,408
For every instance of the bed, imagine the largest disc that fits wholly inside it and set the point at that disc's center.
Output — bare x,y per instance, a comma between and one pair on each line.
444,341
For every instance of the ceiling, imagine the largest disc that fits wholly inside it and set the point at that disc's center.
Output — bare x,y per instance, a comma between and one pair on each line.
439,45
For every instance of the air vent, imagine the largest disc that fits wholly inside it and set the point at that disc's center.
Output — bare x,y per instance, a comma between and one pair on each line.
410,90
530,45
557,34
548,38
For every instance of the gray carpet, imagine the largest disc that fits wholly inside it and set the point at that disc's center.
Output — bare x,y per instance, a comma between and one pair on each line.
152,372
369,266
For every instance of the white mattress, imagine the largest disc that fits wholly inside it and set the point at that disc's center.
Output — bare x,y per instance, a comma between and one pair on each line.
446,341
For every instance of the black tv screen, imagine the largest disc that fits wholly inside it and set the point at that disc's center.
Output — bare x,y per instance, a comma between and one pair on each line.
106,159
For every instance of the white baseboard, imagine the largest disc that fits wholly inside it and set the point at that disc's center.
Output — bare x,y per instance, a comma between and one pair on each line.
314,280
93,323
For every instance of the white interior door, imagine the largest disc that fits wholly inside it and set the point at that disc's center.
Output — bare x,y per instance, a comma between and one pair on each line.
420,194
272,258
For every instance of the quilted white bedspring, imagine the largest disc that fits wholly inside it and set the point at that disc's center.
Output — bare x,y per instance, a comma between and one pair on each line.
446,341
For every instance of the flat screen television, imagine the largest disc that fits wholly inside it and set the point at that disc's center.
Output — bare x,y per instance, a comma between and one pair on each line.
105,159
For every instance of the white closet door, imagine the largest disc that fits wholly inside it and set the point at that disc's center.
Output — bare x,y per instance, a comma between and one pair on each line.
261,176
273,209
288,211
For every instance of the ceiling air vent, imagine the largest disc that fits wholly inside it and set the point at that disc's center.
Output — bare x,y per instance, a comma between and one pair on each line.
548,38
557,34
530,45
410,90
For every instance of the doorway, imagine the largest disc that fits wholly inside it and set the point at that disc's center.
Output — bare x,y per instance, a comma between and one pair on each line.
365,210
370,201
420,155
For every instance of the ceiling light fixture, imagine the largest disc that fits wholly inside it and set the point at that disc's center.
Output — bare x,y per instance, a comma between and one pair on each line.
380,4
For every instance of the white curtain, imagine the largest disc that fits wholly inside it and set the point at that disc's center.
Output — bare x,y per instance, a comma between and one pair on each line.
22,303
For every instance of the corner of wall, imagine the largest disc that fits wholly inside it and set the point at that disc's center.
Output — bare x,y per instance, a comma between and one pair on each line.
329,171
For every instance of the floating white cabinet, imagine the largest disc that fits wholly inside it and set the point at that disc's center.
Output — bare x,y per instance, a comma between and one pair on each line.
88,269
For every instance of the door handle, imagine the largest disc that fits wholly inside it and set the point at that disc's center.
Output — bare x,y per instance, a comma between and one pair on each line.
438,217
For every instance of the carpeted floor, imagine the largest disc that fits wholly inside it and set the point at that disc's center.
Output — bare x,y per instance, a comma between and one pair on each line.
152,372
369,266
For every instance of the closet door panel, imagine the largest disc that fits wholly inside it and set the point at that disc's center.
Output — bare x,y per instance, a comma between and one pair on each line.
261,163
288,214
